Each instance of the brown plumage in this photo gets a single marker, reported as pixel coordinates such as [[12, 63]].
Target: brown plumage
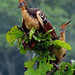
[[34, 17], [61, 52]]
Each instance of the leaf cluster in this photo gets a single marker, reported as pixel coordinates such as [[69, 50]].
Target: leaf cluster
[[41, 48], [42, 65], [66, 68]]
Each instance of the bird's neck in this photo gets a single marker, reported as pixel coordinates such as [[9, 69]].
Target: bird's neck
[[25, 14], [62, 36], [30, 22]]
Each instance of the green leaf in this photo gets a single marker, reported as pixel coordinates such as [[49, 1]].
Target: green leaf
[[46, 44], [50, 66], [48, 37], [57, 73], [58, 43], [23, 51], [29, 64], [36, 38], [32, 31], [44, 67], [19, 43], [69, 72], [11, 43], [63, 65], [13, 34], [46, 53], [30, 71], [66, 68], [42, 37], [48, 32], [51, 57]]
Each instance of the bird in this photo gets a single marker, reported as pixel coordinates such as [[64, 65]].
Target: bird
[[35, 18], [60, 53]]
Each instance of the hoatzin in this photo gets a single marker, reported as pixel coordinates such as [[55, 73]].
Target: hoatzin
[[61, 52], [35, 18]]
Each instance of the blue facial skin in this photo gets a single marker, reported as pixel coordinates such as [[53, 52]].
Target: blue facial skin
[[21, 4]]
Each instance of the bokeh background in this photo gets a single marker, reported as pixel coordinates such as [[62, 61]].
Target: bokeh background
[[57, 11]]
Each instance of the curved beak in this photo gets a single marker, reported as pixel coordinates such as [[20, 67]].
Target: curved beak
[[19, 6]]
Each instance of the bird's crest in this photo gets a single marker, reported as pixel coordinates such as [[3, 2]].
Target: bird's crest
[[65, 25], [24, 1]]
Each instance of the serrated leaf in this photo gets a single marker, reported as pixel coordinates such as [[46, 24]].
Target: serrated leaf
[[44, 67], [50, 66], [30, 71], [13, 34], [58, 43], [32, 31]]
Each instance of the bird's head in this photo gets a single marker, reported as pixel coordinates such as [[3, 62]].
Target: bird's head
[[64, 26], [22, 3]]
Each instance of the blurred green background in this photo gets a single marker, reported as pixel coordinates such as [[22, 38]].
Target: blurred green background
[[57, 11]]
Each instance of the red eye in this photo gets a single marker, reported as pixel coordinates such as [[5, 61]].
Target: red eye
[[21, 3]]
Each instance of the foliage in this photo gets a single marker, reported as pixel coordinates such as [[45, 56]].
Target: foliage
[[65, 69], [58, 43], [10, 15], [14, 34], [42, 44], [41, 69]]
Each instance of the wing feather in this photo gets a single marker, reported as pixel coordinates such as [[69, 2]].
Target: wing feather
[[45, 23]]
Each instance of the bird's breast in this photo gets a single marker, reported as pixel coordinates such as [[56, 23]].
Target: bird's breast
[[59, 53], [30, 21]]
